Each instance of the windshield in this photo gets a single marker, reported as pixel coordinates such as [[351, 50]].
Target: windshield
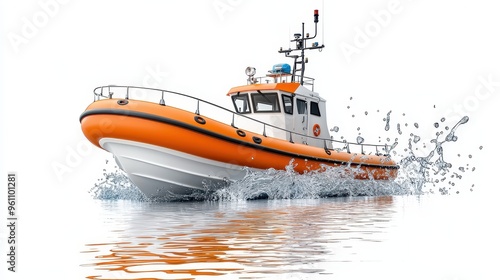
[[241, 103], [265, 102]]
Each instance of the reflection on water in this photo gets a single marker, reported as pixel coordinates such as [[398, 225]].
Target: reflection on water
[[246, 240]]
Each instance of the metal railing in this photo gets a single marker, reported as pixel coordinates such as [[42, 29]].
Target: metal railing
[[283, 78], [108, 92]]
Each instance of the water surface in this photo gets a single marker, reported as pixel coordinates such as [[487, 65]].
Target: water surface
[[332, 238]]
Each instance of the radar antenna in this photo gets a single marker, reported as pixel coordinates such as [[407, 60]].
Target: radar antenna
[[301, 45]]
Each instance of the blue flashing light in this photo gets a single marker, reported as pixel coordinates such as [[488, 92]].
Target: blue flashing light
[[282, 68]]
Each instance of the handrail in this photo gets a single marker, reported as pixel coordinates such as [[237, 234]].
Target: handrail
[[99, 92], [284, 77]]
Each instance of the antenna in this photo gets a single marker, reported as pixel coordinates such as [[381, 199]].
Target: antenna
[[323, 24], [300, 40]]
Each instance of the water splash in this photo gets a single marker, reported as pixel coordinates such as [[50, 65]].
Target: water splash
[[270, 184], [451, 136], [433, 166], [335, 129], [116, 185], [330, 182], [417, 175]]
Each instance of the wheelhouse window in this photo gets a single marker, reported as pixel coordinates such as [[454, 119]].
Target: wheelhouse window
[[265, 102], [315, 109], [287, 104], [241, 103], [301, 106]]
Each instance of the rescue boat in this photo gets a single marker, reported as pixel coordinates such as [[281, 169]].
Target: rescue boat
[[172, 144]]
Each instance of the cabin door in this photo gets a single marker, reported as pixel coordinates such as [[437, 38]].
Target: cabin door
[[302, 120]]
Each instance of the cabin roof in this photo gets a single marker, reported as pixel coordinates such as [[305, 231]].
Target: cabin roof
[[288, 87]]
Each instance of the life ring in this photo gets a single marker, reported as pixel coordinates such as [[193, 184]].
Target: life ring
[[316, 130]]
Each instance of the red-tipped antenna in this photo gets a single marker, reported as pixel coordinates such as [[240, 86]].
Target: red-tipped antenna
[[301, 46]]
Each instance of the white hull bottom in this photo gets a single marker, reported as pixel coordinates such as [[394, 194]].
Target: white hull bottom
[[162, 172]]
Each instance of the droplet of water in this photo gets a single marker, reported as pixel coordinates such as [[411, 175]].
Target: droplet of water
[[416, 125], [353, 116], [443, 119], [470, 156], [358, 128], [436, 125], [335, 129], [366, 113], [399, 129], [387, 125], [480, 147], [350, 98], [393, 146], [348, 107], [360, 140], [416, 139], [451, 136]]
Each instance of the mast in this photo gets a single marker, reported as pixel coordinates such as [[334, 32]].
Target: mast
[[301, 45]]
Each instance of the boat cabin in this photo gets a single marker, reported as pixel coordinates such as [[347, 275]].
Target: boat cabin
[[281, 107], [281, 104]]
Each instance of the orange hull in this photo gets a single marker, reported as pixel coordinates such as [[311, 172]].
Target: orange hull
[[189, 133]]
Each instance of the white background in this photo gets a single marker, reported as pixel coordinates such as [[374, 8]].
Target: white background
[[426, 60]]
